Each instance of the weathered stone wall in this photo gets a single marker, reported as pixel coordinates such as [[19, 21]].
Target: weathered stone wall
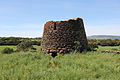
[[59, 36]]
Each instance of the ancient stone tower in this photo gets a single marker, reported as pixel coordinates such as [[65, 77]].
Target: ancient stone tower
[[59, 36]]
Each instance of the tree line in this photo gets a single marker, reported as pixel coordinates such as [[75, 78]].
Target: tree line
[[105, 42], [37, 41], [17, 40]]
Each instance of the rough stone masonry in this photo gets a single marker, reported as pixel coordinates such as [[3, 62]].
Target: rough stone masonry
[[59, 36]]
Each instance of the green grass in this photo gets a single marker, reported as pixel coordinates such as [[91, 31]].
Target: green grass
[[2, 47], [74, 66], [109, 48], [14, 47]]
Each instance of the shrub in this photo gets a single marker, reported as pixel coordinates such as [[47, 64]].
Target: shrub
[[24, 46], [92, 46], [7, 51], [77, 46], [32, 49]]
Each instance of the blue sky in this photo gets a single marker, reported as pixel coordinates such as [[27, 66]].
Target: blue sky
[[26, 18]]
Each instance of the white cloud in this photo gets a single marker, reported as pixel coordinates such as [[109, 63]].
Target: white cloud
[[21, 31], [22, 26], [103, 30], [21, 34]]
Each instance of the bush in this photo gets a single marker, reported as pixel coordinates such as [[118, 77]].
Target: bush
[[7, 51], [24, 46], [105, 42], [92, 46], [32, 49], [77, 46]]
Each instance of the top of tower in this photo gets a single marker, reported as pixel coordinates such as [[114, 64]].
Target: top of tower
[[77, 18], [52, 22]]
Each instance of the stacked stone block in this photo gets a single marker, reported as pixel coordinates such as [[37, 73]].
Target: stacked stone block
[[59, 36]]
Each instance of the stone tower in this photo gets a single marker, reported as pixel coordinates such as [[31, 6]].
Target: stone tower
[[59, 36]]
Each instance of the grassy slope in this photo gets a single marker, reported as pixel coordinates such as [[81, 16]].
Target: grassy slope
[[37, 66]]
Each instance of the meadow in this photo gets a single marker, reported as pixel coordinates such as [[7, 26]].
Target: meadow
[[73, 66]]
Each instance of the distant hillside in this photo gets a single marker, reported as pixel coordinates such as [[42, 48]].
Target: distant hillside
[[103, 37]]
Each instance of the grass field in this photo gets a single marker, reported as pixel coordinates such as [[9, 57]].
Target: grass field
[[74, 66], [109, 48]]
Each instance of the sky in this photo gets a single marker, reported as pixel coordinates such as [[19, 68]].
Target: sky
[[26, 18]]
